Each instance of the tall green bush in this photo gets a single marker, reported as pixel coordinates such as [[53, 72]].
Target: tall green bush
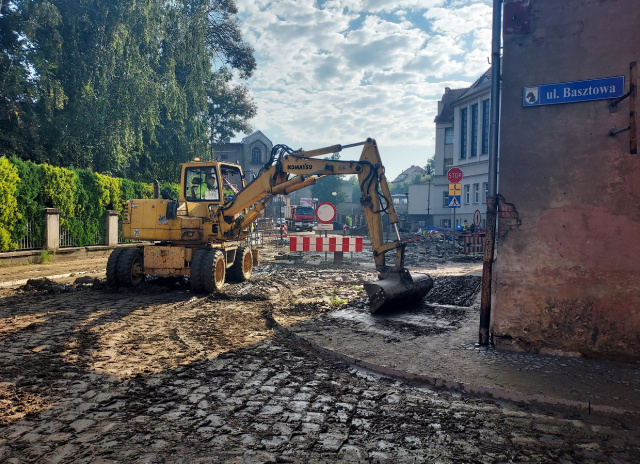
[[81, 195], [59, 190], [30, 206], [9, 214]]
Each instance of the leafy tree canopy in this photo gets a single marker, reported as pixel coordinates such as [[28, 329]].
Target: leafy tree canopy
[[120, 87]]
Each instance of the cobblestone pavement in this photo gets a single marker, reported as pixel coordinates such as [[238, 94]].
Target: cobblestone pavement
[[96, 376]]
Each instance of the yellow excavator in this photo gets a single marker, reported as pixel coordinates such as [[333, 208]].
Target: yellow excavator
[[202, 235]]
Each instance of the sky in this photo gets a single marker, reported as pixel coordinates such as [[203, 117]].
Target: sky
[[338, 71]]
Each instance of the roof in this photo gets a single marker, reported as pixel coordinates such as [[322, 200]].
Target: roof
[[254, 136], [450, 95], [481, 83], [408, 174]]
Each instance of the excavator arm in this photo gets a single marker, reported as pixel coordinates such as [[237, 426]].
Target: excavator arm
[[290, 170]]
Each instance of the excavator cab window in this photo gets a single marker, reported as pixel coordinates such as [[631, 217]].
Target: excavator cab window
[[201, 184], [231, 182]]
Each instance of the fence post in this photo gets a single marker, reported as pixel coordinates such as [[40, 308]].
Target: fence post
[[111, 228], [51, 229]]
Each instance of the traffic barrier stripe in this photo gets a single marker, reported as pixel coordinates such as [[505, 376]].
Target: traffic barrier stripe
[[473, 244], [325, 244]]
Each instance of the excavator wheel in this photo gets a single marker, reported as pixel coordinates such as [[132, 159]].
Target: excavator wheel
[[242, 265], [130, 268], [112, 267], [214, 271], [197, 271]]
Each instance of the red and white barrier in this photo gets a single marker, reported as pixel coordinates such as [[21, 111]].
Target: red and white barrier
[[473, 244], [325, 243]]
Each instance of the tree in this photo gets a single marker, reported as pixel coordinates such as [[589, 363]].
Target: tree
[[18, 90], [325, 188], [430, 167], [229, 107], [129, 88]]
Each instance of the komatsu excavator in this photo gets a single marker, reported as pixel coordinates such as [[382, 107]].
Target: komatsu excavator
[[202, 235]]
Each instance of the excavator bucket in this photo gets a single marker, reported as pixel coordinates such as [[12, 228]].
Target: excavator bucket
[[394, 290]]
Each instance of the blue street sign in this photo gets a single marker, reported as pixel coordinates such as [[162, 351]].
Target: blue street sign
[[571, 92], [454, 201]]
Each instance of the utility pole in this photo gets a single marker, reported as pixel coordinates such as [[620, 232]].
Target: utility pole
[[492, 198]]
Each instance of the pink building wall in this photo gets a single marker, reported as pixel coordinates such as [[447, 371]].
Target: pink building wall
[[567, 274]]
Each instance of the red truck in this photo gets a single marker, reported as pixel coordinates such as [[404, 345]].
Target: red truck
[[302, 216]]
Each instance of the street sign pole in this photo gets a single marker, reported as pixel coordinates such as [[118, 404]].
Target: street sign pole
[[453, 235]]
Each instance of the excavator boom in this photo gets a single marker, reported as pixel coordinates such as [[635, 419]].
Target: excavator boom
[[293, 170]]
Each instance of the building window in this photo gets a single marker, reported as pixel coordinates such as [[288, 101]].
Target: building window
[[448, 135], [448, 162], [476, 193], [256, 155], [474, 130], [445, 199], [485, 127], [467, 194], [463, 133], [485, 189]]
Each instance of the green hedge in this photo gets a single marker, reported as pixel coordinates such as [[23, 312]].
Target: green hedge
[[81, 195]]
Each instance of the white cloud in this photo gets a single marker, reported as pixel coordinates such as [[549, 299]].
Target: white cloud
[[379, 6], [338, 71]]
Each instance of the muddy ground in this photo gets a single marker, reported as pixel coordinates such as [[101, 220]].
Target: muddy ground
[[287, 287], [172, 327], [158, 374]]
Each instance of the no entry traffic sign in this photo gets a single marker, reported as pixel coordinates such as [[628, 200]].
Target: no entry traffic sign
[[326, 212], [454, 175], [477, 218]]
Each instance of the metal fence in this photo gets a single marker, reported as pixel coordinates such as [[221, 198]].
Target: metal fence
[[98, 237], [121, 239], [33, 240]]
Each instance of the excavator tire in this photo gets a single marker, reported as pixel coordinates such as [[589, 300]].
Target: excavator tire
[[214, 271], [197, 271], [130, 268], [112, 267], [242, 265]]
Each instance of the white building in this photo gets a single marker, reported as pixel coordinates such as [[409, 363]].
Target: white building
[[462, 140]]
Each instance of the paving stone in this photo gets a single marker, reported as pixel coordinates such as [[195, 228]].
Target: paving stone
[[274, 400]]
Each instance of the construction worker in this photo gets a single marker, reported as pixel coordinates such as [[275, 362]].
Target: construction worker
[[209, 189], [229, 190]]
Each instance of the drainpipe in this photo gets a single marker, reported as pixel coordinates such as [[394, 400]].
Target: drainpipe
[[492, 195]]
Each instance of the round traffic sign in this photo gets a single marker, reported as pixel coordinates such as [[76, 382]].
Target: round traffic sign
[[477, 218], [326, 212], [454, 175]]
